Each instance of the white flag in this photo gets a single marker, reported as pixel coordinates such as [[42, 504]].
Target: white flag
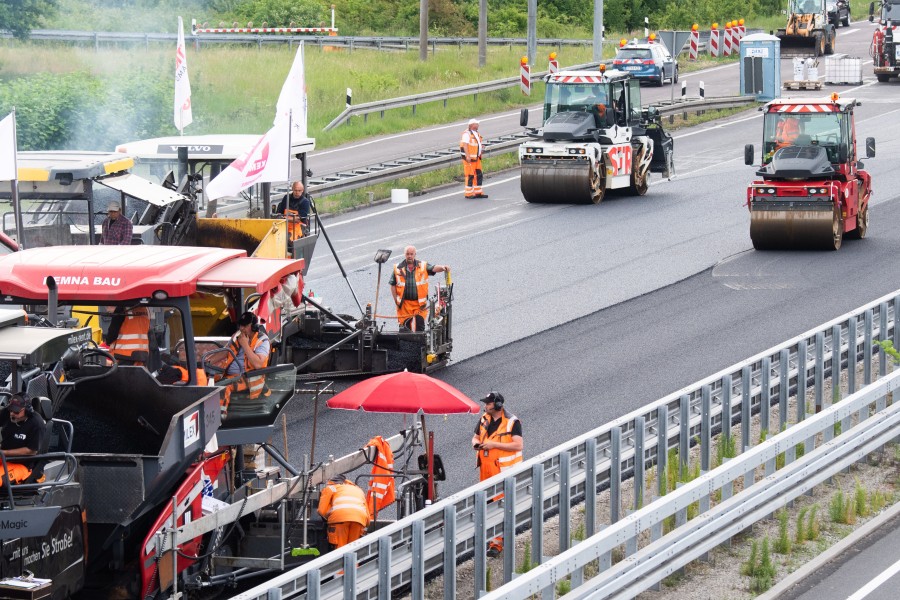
[[183, 115], [292, 100], [268, 160], [8, 165]]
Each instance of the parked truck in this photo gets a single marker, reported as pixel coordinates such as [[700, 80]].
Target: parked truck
[[885, 47], [595, 137], [812, 189]]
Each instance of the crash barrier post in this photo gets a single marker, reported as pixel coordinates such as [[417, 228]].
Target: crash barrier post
[[525, 76], [714, 40], [817, 361], [694, 51]]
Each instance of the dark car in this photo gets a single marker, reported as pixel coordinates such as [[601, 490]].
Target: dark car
[[838, 12], [651, 62]]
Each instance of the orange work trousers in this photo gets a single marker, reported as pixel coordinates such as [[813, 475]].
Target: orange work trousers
[[341, 534], [408, 312], [474, 178]]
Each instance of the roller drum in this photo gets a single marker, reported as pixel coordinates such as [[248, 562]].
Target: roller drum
[[784, 228], [554, 183]]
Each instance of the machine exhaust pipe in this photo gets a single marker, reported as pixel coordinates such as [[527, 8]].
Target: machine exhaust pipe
[[52, 300]]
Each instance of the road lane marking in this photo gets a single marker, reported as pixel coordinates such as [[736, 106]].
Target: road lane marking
[[876, 583]]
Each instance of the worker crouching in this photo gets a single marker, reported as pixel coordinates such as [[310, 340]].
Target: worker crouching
[[343, 505]]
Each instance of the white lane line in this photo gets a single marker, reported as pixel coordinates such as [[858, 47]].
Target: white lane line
[[876, 583]]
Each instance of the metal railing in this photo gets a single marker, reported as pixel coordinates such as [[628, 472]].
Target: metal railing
[[439, 159], [458, 527]]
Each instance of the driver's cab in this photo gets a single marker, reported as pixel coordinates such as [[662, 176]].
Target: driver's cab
[[807, 7], [829, 130]]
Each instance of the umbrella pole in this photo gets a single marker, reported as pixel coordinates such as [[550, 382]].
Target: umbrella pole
[[312, 450], [431, 467], [429, 495]]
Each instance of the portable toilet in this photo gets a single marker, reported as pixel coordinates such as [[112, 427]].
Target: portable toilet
[[761, 66]]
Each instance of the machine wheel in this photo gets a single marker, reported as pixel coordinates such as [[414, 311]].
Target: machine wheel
[[662, 78], [598, 183], [820, 44], [639, 185], [846, 20], [837, 231], [675, 76], [883, 78], [862, 224], [829, 42]]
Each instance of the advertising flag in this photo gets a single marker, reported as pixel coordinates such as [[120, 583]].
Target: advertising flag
[[8, 165], [292, 100], [183, 115], [267, 161]]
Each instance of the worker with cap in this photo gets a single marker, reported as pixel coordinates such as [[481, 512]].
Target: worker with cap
[[471, 147], [409, 281], [116, 229], [21, 434], [498, 442], [343, 504]]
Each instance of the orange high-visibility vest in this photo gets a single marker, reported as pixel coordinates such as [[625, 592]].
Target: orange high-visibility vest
[[202, 379], [471, 144], [421, 275], [381, 487], [497, 460], [133, 335], [343, 502], [255, 385], [295, 227]]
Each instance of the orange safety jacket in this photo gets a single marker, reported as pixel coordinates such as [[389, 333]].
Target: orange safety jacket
[[471, 145], [343, 502], [494, 461], [294, 226], [256, 384], [381, 487], [421, 275], [133, 335], [202, 379]]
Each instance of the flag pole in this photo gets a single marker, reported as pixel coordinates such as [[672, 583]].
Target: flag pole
[[14, 189]]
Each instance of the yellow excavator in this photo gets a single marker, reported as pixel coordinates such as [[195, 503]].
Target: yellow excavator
[[808, 31]]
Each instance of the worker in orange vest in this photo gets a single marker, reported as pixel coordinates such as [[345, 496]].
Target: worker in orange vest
[[471, 147], [294, 207], [131, 339], [410, 284], [343, 505], [498, 442]]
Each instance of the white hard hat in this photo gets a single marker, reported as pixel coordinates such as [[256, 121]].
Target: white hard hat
[[473, 121]]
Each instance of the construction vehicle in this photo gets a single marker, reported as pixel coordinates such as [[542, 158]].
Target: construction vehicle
[[595, 138], [138, 464], [811, 189], [885, 48], [64, 197], [809, 30]]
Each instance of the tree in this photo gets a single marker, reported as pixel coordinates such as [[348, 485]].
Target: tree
[[19, 17]]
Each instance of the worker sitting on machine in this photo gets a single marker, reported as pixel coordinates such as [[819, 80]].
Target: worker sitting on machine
[[22, 433], [249, 352], [787, 131]]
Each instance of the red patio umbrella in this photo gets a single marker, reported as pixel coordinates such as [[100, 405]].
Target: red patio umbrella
[[407, 393]]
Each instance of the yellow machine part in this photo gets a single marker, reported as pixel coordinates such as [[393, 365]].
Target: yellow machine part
[[793, 229], [800, 25]]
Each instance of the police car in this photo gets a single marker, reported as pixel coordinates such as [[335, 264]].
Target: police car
[[651, 62]]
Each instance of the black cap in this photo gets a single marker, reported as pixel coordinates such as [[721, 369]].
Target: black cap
[[248, 318], [493, 397], [16, 403]]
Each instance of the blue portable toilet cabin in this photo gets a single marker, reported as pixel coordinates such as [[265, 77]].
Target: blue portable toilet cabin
[[761, 66]]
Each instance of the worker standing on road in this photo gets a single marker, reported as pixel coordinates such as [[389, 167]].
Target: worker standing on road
[[22, 431], [116, 229], [498, 442], [410, 283], [294, 207], [471, 147], [343, 505]]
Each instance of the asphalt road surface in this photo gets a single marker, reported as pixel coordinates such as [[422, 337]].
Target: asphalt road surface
[[580, 314]]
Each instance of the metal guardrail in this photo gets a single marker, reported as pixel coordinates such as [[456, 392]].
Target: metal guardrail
[[458, 527], [429, 161], [379, 42]]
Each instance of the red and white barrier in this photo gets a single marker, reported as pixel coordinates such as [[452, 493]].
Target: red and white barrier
[[328, 30], [554, 64], [714, 40], [726, 47], [694, 51], [525, 76]]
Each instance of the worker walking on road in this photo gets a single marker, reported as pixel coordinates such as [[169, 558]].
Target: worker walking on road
[[471, 147], [343, 505], [498, 442], [410, 287]]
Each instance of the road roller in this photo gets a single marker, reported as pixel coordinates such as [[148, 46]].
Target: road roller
[[594, 137], [811, 188]]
